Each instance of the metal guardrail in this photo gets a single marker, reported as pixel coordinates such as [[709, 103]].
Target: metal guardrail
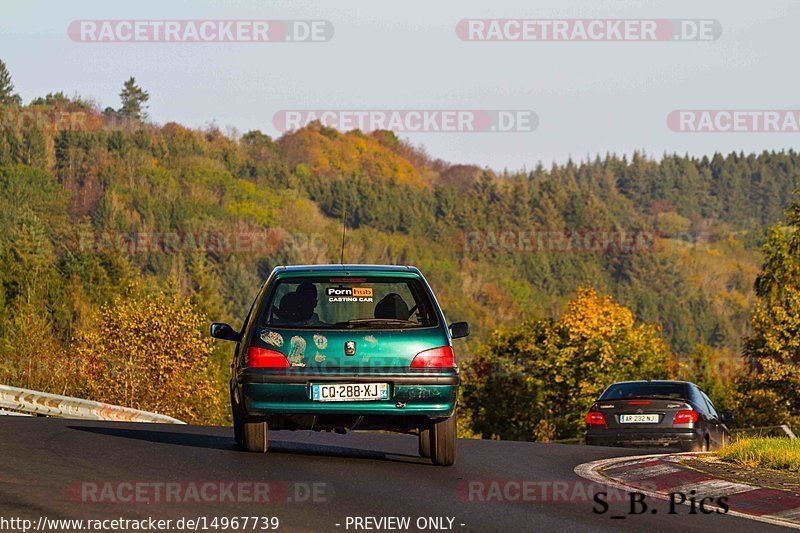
[[12, 413], [31, 402]]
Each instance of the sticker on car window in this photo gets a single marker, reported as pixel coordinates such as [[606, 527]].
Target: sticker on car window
[[349, 294]]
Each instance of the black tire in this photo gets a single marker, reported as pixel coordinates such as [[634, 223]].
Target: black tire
[[255, 433], [700, 445], [425, 442], [443, 441], [238, 420]]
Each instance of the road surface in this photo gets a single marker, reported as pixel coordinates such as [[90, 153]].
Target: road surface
[[70, 469]]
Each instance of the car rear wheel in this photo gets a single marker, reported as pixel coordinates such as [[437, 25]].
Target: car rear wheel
[[255, 433], [424, 442], [443, 441], [699, 445]]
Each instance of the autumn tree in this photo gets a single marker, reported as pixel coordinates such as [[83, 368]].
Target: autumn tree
[[151, 352], [536, 380], [771, 388]]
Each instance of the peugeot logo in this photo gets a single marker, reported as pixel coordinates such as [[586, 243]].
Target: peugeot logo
[[639, 412], [350, 348]]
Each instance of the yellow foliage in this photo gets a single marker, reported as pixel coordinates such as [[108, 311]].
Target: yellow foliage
[[590, 315], [544, 374], [332, 154], [148, 353]]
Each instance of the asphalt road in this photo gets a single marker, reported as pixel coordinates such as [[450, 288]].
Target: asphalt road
[[57, 468]]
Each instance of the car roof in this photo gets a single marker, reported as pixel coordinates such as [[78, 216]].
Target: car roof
[[346, 267], [300, 271], [676, 381]]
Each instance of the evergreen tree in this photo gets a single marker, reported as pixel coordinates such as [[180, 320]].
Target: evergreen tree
[[133, 100], [7, 96]]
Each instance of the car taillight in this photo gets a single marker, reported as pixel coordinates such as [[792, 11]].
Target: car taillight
[[265, 358], [441, 357], [685, 416], [595, 418]]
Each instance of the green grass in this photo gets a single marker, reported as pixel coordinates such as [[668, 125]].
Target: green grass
[[764, 452]]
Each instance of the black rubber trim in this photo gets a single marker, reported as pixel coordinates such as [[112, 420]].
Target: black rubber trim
[[419, 379]]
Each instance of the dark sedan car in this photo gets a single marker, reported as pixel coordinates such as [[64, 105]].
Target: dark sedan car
[[657, 413]]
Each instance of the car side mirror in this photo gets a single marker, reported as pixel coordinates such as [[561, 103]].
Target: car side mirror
[[225, 332], [459, 330], [726, 417]]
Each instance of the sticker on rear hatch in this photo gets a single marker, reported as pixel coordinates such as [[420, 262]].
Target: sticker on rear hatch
[[349, 294], [271, 337], [297, 351], [321, 341]]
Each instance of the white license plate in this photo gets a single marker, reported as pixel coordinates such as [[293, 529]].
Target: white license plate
[[638, 419], [350, 392]]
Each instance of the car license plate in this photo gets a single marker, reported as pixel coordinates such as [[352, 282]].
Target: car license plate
[[350, 392], [638, 419]]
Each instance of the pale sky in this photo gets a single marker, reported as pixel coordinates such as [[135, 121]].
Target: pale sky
[[590, 97]]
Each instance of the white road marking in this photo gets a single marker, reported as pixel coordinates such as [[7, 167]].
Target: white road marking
[[644, 472], [791, 514], [644, 459], [712, 487]]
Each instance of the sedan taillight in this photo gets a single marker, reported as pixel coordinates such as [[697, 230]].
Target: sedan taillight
[[686, 416], [265, 358], [595, 418]]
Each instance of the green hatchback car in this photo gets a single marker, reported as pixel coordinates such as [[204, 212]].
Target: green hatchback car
[[345, 347]]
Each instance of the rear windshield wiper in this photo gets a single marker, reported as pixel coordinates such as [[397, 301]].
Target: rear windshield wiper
[[367, 322]]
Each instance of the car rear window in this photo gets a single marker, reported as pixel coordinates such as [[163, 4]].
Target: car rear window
[[620, 391], [349, 303]]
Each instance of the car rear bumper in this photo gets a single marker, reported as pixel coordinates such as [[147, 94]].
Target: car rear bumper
[[643, 437], [427, 394]]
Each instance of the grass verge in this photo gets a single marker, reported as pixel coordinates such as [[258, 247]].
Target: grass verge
[[764, 452]]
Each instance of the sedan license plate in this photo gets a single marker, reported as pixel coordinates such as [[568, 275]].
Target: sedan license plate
[[638, 419], [349, 392]]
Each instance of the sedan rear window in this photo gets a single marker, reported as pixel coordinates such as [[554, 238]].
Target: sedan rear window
[[349, 303], [621, 391]]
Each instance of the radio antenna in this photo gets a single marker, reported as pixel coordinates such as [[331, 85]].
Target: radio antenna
[[344, 229]]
